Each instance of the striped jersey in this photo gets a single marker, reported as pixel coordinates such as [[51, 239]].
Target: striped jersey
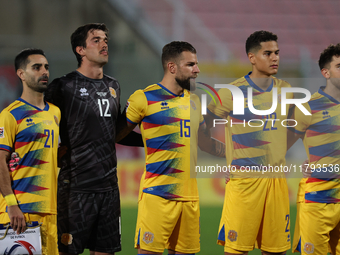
[[32, 133], [321, 132], [253, 140], [166, 127]]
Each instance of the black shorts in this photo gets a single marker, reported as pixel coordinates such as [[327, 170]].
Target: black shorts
[[89, 220]]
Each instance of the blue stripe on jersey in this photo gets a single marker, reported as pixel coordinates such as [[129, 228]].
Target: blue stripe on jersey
[[165, 142], [29, 184], [157, 95], [326, 150], [326, 174], [131, 121], [32, 158], [165, 117], [31, 134], [326, 126], [165, 167], [165, 191], [31, 207], [252, 139], [323, 196], [326, 95], [255, 161], [5, 147]]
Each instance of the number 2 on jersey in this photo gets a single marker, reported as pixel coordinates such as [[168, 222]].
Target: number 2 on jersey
[[101, 103], [185, 128]]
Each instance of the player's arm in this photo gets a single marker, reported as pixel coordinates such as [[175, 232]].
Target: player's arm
[[124, 133], [209, 144], [292, 137], [16, 216]]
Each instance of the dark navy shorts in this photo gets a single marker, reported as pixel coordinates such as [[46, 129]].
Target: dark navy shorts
[[89, 221]]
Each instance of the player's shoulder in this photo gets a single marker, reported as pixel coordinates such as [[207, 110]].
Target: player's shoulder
[[280, 82], [239, 82], [12, 106], [111, 80], [151, 88]]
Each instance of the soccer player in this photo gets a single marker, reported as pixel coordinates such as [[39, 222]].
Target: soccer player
[[88, 195], [255, 209], [320, 194], [168, 116], [30, 127]]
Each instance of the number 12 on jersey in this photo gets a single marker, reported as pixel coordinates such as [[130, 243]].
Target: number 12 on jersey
[[185, 128], [101, 103]]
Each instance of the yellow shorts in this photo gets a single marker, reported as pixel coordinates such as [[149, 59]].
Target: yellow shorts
[[320, 228], [49, 237], [255, 210], [167, 224]]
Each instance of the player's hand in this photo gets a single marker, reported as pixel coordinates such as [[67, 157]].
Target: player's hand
[[14, 161], [227, 176], [62, 151], [17, 219], [306, 170]]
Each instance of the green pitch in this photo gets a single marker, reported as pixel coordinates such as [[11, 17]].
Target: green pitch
[[210, 218]]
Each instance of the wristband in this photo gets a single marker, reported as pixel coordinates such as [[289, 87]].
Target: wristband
[[11, 200]]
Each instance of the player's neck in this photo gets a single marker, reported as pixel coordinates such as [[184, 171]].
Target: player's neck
[[263, 81], [332, 90], [172, 85], [33, 98], [90, 71]]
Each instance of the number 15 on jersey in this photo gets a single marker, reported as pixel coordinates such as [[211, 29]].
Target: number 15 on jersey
[[185, 128]]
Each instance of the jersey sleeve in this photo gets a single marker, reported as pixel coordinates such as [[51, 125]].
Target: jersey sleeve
[[221, 111], [8, 128], [302, 121], [136, 107]]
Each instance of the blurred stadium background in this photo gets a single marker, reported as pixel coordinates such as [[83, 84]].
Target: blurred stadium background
[[138, 31]]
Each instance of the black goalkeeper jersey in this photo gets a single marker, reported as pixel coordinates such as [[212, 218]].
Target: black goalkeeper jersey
[[89, 112]]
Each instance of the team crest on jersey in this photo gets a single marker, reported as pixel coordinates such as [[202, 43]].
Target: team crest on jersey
[[66, 239], [113, 92], [309, 248], [2, 132], [164, 105], [83, 92], [193, 105], [232, 235], [56, 120], [101, 94], [29, 122], [183, 107], [148, 237]]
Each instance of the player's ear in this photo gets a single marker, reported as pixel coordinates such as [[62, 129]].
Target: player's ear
[[251, 57], [172, 67], [80, 50], [325, 73], [20, 73]]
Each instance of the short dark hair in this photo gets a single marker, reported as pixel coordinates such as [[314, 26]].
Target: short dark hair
[[327, 55], [253, 43], [172, 50], [21, 60], [78, 38]]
